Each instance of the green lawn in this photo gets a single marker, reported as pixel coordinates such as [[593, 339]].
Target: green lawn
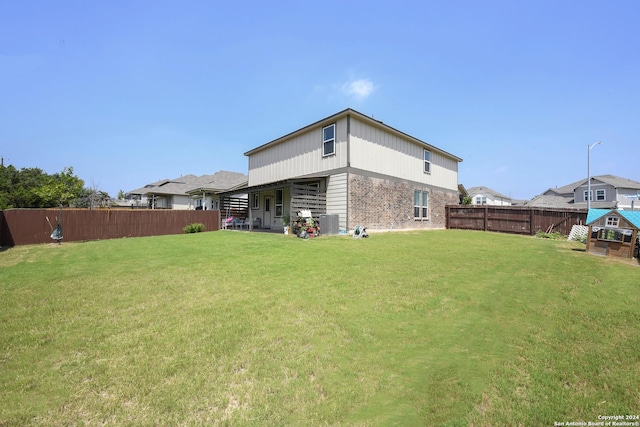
[[234, 328]]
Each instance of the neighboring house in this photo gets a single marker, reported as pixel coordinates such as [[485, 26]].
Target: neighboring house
[[186, 192], [355, 169], [487, 196], [613, 232], [608, 189], [559, 197], [607, 192], [205, 191]]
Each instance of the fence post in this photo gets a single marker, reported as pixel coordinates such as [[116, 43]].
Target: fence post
[[531, 233], [486, 217], [446, 217]]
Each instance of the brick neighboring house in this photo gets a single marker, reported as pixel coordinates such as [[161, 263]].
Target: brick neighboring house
[[354, 167]]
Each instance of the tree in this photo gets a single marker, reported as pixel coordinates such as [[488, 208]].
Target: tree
[[92, 198], [60, 189], [120, 195], [17, 187], [32, 188]]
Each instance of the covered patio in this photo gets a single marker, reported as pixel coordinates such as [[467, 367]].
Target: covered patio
[[271, 207]]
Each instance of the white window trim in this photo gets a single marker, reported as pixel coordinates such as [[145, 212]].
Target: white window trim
[[421, 206], [604, 195], [584, 199], [613, 221], [332, 140], [256, 201], [427, 163]]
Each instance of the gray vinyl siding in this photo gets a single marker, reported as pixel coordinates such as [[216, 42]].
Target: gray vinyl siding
[[300, 155], [337, 198], [609, 192], [377, 150]]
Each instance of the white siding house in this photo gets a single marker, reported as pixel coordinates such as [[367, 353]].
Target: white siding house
[[487, 196]]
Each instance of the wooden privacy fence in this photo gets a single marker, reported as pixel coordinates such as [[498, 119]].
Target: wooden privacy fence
[[514, 219], [30, 226]]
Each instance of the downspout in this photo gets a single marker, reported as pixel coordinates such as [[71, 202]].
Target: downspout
[[348, 166]]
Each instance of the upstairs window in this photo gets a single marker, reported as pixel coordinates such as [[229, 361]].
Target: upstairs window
[[427, 161], [601, 195], [329, 140], [481, 200], [588, 196]]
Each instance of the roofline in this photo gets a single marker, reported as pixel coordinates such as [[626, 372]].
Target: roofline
[[205, 189], [344, 113], [595, 214], [217, 190], [280, 183], [487, 190], [606, 179]]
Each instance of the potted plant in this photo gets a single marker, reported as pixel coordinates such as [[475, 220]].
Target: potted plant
[[286, 219], [311, 229]]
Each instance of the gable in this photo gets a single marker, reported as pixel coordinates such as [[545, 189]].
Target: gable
[[618, 182], [627, 219], [485, 191]]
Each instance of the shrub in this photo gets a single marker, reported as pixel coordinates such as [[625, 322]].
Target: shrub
[[553, 236], [194, 228]]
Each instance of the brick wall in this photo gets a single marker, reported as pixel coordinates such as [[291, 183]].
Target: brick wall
[[384, 204]]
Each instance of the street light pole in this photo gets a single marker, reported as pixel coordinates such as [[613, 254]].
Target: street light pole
[[589, 173]]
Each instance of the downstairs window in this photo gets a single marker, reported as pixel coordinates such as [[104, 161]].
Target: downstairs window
[[420, 204]]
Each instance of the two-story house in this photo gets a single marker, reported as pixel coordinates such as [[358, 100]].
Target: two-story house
[[607, 192], [355, 168]]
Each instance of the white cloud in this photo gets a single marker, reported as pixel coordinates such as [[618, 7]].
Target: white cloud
[[358, 89]]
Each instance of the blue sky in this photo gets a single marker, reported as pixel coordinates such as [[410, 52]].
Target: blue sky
[[130, 92]]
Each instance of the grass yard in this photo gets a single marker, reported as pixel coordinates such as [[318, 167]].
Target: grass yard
[[232, 328]]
